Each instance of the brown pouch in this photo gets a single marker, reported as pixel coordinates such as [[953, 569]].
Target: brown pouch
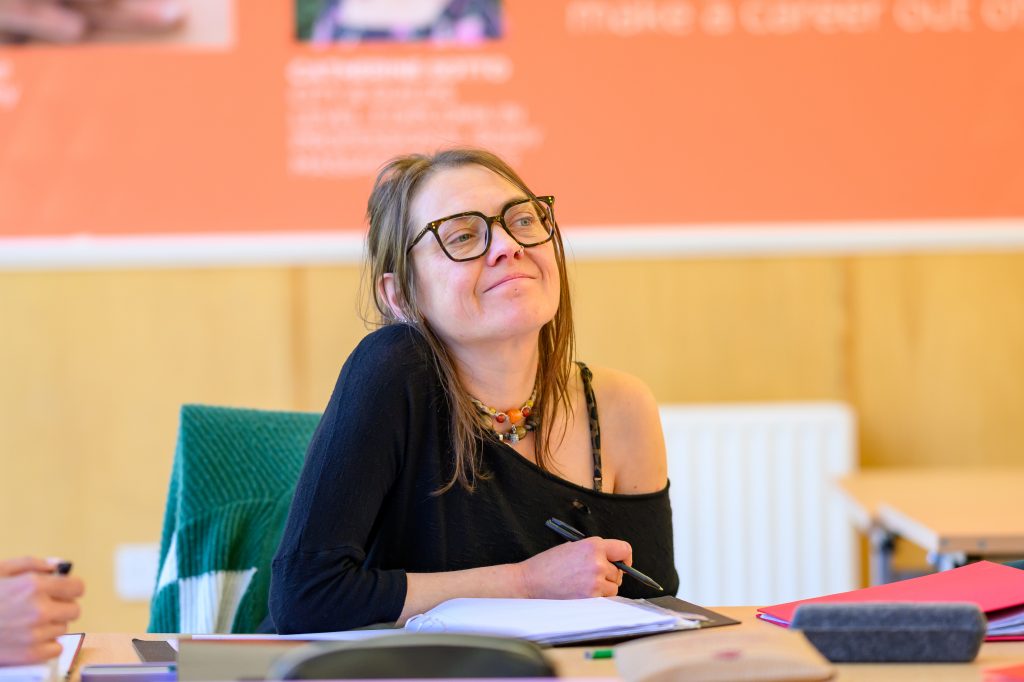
[[759, 653]]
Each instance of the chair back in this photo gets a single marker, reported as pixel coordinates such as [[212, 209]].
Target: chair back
[[231, 486]]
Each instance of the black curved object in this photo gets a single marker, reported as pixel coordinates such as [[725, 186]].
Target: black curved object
[[414, 656]]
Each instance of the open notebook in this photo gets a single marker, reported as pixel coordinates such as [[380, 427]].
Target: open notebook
[[550, 621]]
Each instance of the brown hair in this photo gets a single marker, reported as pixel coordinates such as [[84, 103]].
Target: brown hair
[[388, 212]]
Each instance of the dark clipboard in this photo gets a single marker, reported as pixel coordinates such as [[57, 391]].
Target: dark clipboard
[[714, 620]]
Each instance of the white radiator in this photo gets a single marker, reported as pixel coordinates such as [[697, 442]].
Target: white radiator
[[756, 516]]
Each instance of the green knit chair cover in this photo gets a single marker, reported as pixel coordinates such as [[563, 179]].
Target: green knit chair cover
[[232, 482]]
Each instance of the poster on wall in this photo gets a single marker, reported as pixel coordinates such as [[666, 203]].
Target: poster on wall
[[199, 117]]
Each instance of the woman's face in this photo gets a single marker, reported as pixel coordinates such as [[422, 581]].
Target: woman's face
[[503, 293]]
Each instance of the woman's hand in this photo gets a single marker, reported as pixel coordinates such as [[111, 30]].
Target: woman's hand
[[35, 608], [575, 570]]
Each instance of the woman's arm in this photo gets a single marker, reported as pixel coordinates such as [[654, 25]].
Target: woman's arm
[[319, 577], [573, 570]]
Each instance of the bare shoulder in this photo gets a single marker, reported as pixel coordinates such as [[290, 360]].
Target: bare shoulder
[[632, 444]]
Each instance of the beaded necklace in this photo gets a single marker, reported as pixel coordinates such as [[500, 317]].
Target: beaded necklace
[[522, 420]]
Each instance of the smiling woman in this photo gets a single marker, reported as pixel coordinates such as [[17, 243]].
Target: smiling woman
[[463, 423]]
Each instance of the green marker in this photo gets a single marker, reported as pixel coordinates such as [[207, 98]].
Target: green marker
[[601, 653]]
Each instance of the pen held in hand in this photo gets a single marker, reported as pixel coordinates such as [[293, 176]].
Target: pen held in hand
[[572, 535]]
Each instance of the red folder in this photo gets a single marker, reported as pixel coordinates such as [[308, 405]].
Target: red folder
[[995, 588]]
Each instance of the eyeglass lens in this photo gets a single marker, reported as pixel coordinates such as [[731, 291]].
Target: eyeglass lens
[[529, 223]]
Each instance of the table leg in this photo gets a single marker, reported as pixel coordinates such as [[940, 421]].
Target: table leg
[[883, 542], [944, 561]]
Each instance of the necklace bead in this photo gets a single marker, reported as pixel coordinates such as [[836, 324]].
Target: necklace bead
[[521, 419]]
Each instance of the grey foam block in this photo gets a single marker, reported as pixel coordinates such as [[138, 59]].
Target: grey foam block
[[893, 632]]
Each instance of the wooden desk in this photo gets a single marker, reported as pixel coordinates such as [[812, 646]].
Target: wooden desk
[[954, 514], [570, 661]]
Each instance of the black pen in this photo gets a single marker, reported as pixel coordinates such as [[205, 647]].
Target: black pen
[[572, 535]]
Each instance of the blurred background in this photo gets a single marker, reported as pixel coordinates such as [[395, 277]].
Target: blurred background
[[763, 201]]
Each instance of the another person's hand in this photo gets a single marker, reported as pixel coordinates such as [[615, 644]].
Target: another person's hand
[[576, 570], [35, 608], [70, 21]]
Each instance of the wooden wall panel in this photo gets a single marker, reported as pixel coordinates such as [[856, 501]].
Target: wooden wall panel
[[718, 330], [329, 322], [927, 348], [95, 367], [939, 352]]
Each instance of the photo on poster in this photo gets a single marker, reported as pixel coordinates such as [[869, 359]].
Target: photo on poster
[[355, 21], [191, 23]]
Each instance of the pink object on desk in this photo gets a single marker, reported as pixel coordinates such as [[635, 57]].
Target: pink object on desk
[[1010, 673], [998, 591]]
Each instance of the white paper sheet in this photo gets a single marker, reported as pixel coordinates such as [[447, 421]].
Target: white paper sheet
[[52, 671], [547, 621]]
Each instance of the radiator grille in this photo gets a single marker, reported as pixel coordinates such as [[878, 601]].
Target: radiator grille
[[756, 516]]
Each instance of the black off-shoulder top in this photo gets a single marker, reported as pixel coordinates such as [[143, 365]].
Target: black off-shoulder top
[[365, 510]]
